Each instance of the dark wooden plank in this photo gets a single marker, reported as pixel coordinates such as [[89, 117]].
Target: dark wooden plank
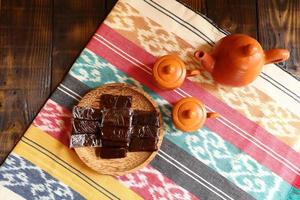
[[74, 21], [234, 16], [279, 26], [25, 65], [109, 4], [198, 6]]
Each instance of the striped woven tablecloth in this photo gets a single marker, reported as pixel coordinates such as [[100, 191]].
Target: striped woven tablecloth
[[251, 152]]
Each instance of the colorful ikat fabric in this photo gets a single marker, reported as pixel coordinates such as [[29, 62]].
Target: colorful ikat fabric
[[251, 152]]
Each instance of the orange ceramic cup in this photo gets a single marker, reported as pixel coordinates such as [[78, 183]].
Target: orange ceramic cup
[[169, 72], [189, 114]]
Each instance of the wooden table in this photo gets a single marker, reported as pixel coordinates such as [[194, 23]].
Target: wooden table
[[40, 39]]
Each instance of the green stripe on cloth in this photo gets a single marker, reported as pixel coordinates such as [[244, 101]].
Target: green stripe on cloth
[[206, 146]]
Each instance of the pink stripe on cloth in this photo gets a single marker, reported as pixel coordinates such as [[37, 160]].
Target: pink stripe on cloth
[[251, 138], [152, 184], [55, 120]]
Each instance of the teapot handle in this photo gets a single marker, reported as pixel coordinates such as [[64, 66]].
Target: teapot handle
[[212, 115], [276, 55]]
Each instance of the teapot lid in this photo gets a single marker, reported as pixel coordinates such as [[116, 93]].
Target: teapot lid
[[189, 114], [169, 72]]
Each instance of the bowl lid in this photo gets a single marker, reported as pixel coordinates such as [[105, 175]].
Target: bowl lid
[[189, 114], [169, 71]]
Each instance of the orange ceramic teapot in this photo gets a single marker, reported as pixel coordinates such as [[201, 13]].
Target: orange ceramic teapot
[[237, 59], [189, 114]]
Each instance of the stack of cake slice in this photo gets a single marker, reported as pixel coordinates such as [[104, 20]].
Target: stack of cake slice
[[145, 131], [86, 126], [115, 133]]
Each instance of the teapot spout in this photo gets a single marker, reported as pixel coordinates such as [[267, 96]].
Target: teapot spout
[[206, 60], [276, 55]]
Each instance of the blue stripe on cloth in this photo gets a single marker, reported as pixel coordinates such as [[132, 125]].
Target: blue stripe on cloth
[[207, 146], [68, 167], [31, 182]]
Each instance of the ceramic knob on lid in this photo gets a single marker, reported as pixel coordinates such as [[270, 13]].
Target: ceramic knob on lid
[[189, 114], [169, 72]]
